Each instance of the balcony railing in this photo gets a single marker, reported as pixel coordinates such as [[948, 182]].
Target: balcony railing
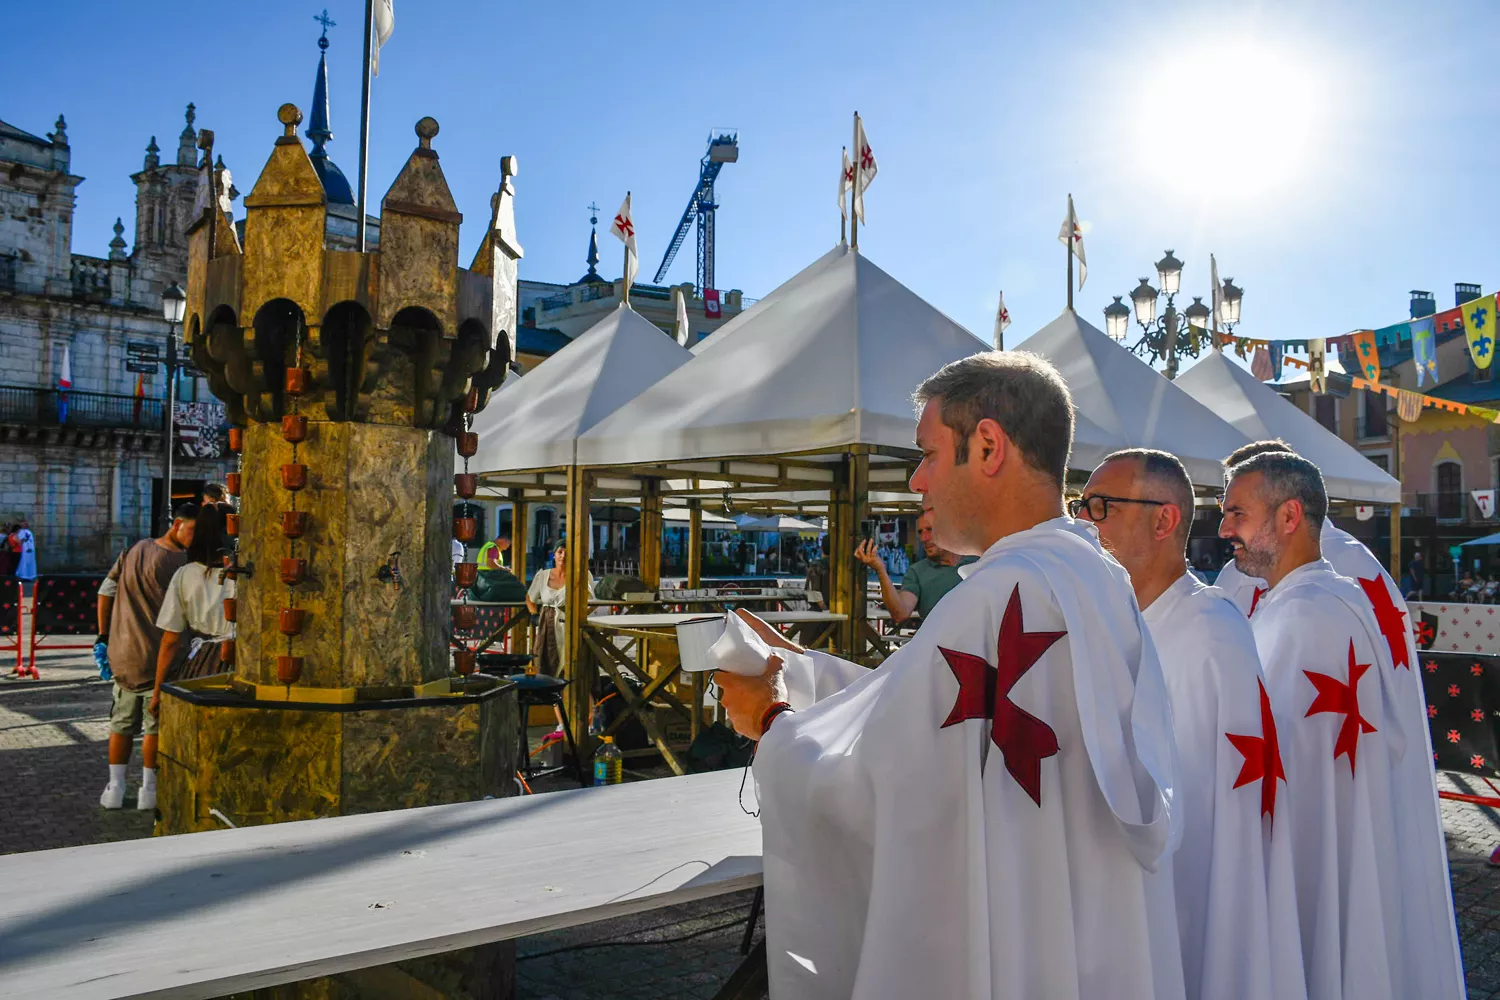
[[1457, 507], [42, 407]]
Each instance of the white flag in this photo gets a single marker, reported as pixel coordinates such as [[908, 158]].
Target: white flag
[[1002, 320], [680, 329], [1218, 291], [624, 228], [1071, 237], [846, 181], [385, 23], [1485, 501], [864, 161]]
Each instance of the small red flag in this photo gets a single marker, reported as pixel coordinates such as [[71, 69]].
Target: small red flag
[[711, 303]]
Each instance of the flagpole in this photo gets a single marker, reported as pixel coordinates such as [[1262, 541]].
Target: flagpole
[[626, 293], [854, 196], [1213, 297], [364, 124], [1068, 248]]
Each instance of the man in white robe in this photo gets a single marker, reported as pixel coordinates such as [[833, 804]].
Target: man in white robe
[[1236, 904], [981, 816], [1429, 891], [1333, 687]]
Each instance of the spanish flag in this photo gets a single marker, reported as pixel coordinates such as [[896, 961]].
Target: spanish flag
[[1479, 328]]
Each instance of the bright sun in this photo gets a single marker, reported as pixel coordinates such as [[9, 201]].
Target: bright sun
[[1245, 119]]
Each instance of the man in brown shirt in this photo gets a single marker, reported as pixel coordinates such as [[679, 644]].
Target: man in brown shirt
[[129, 599]]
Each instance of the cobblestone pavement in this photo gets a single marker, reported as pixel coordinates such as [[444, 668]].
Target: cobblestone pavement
[[52, 757]]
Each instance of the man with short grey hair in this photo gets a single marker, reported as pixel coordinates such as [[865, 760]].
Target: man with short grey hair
[[1232, 876], [982, 815], [1337, 702]]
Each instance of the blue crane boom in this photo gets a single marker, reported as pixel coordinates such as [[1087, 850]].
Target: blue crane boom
[[723, 148]]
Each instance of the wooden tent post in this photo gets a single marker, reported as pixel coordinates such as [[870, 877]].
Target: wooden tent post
[[1396, 512], [695, 544], [581, 666], [520, 544], [651, 533], [843, 533], [859, 512]]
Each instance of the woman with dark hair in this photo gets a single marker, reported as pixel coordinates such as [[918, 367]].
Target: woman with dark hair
[[195, 602], [547, 596]]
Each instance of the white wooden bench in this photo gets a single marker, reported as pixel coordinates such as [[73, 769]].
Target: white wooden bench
[[207, 914]]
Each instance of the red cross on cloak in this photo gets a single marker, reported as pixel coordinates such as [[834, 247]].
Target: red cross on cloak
[[1256, 596], [1391, 619], [1341, 699], [1262, 756], [984, 693]]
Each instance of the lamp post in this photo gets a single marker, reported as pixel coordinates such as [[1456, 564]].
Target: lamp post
[[173, 305], [1172, 333]]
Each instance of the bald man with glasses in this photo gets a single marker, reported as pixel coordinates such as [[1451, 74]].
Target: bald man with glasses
[[1236, 903]]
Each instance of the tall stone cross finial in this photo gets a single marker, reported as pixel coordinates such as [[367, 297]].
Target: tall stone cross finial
[[192, 115]]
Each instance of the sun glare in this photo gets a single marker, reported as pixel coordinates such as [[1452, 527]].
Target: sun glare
[[1242, 120]]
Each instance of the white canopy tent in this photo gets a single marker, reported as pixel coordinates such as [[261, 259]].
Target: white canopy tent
[[1131, 401], [781, 524], [826, 361], [683, 515], [534, 422], [1259, 412]]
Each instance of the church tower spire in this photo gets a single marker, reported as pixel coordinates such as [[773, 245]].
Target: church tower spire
[[593, 255], [335, 185]]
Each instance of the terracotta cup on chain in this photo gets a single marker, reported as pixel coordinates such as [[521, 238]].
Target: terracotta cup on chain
[[230, 606], [296, 381], [292, 571], [294, 428], [288, 669], [468, 444], [465, 484], [226, 652], [294, 476], [294, 523], [236, 439], [463, 661], [464, 616], [232, 483], [465, 574], [291, 620], [465, 529], [232, 525], [471, 401]]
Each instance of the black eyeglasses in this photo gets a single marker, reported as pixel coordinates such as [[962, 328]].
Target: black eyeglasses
[[1098, 505]]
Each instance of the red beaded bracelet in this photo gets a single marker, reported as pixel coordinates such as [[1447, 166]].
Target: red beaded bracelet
[[777, 708]]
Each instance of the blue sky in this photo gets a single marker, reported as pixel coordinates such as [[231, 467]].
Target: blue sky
[[1333, 156]]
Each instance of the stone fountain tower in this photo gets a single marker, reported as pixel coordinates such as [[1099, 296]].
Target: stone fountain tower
[[350, 380]]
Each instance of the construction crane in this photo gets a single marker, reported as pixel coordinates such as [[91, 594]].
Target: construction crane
[[723, 148]]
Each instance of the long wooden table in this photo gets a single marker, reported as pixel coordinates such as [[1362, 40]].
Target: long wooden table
[[207, 914], [601, 649]]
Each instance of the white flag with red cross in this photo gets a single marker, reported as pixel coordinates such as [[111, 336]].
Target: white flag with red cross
[[864, 164], [1002, 320], [846, 181], [624, 228], [1071, 236]]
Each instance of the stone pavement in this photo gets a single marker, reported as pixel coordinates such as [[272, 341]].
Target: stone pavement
[[52, 756]]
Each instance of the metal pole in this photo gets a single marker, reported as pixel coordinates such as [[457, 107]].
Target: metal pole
[[1396, 507], [364, 123], [854, 196], [1068, 249], [171, 400]]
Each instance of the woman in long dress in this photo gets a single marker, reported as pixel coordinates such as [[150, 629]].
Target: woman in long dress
[[547, 595], [195, 603]]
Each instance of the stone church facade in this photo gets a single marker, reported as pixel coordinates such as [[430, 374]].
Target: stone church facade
[[88, 475]]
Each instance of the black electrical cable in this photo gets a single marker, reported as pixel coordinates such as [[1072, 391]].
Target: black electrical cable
[[626, 944]]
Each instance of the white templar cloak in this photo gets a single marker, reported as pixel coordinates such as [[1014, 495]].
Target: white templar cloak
[[1236, 901], [1331, 681], [1434, 954], [981, 816], [1429, 894]]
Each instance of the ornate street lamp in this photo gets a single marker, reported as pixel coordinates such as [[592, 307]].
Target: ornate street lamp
[[1117, 319], [173, 306], [1165, 336]]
